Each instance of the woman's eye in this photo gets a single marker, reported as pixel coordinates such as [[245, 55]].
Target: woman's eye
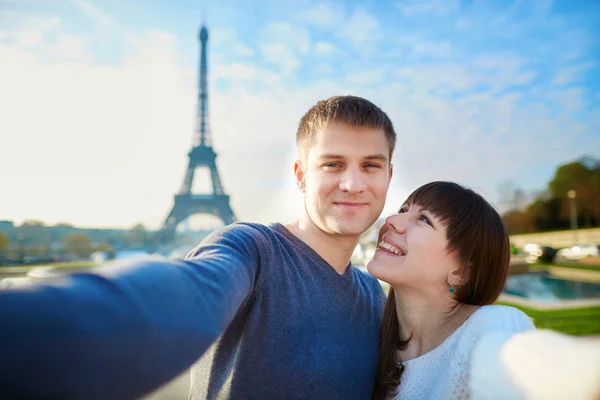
[[425, 219]]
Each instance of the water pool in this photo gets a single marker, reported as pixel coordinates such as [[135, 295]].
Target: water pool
[[541, 286]]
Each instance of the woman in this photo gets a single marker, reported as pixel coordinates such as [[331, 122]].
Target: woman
[[445, 255]]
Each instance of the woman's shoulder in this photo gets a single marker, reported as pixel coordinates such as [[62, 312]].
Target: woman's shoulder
[[494, 318]]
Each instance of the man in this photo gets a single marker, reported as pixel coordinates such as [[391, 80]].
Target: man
[[266, 312]]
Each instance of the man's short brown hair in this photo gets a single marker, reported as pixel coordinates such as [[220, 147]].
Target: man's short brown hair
[[350, 110]]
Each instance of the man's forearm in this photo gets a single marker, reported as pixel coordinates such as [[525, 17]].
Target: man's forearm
[[92, 336]]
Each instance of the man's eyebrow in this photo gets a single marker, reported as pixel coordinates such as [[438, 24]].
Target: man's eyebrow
[[330, 156], [379, 156]]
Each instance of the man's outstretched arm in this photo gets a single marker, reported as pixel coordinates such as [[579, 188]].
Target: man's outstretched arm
[[121, 335]]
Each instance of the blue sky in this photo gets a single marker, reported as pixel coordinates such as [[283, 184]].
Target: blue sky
[[99, 97]]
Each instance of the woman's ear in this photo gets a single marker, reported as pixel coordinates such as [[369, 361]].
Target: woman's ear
[[459, 275]]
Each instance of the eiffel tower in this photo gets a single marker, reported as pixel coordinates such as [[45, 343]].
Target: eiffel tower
[[202, 154]]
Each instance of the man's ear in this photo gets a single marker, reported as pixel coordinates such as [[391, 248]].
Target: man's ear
[[391, 173], [299, 173]]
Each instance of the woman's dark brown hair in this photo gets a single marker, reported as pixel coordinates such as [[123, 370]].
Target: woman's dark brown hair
[[477, 235]]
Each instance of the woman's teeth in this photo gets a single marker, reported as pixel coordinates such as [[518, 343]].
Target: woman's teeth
[[389, 247]]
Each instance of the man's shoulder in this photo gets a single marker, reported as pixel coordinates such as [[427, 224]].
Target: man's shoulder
[[239, 235], [244, 229]]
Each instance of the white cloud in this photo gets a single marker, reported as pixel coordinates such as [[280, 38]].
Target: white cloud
[[411, 8], [281, 55], [322, 15], [462, 24], [431, 49], [362, 30], [542, 8], [287, 34], [93, 12], [439, 77], [94, 137], [29, 26], [570, 74], [283, 44], [498, 62], [234, 72], [70, 46], [368, 76], [325, 48], [324, 69], [240, 49], [227, 41], [23, 37]]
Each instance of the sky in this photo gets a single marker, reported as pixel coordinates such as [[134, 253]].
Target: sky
[[98, 98]]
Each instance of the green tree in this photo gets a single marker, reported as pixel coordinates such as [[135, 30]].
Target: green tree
[[79, 244], [551, 209], [595, 193], [37, 250], [578, 176], [137, 236], [4, 242], [517, 221], [32, 232]]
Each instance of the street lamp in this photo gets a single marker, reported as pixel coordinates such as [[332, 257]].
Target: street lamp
[[572, 198], [22, 247]]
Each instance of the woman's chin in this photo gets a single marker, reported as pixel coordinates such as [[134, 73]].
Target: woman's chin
[[372, 268], [393, 277], [377, 270]]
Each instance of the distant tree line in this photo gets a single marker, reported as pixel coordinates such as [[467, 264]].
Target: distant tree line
[[551, 208], [35, 240]]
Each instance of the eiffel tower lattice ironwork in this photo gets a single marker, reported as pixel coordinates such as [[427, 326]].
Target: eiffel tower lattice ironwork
[[202, 155]]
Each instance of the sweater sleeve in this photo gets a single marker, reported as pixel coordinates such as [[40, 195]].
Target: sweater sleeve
[[121, 333], [494, 323], [535, 364]]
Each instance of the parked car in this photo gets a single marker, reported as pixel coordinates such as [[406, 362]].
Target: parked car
[[548, 254], [538, 253], [578, 252]]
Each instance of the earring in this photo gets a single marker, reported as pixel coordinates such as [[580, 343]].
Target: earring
[[451, 289]]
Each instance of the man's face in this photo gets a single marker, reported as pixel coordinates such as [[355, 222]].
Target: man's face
[[345, 178]]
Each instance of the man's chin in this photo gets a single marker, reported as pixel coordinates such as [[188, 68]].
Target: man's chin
[[346, 228]]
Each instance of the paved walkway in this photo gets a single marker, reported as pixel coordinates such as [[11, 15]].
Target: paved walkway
[[557, 305], [575, 274]]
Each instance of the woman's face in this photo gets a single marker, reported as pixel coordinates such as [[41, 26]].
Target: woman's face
[[412, 252]]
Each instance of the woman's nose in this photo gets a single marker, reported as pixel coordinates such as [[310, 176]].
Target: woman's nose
[[396, 222]]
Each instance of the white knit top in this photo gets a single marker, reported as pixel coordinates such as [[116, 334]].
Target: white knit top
[[443, 373]]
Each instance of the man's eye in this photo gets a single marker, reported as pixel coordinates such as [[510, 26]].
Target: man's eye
[[373, 166]]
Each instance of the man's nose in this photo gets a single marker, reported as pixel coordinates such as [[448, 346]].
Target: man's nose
[[352, 181]]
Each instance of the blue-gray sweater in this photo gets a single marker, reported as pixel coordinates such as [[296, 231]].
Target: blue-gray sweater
[[276, 319]]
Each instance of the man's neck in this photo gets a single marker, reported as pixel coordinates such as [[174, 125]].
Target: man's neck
[[335, 250], [427, 321]]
